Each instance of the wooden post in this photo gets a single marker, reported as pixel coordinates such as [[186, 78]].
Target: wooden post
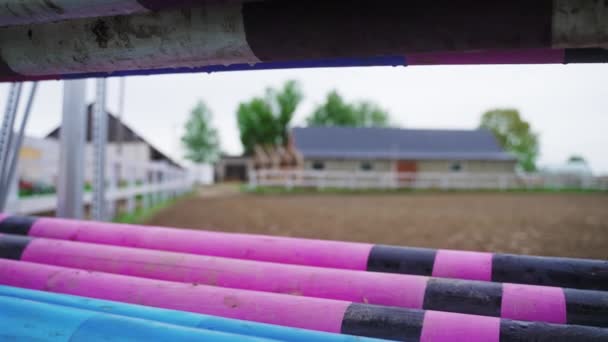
[[131, 179]]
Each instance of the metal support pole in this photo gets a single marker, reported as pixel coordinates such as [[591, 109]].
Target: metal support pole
[[6, 130], [12, 196], [100, 137], [70, 185], [12, 157]]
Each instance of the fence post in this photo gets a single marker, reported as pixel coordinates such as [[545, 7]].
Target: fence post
[[503, 182], [171, 193], [180, 178], [162, 182], [321, 183], [158, 182], [253, 178], [153, 187], [131, 185], [289, 180], [113, 180], [146, 184]]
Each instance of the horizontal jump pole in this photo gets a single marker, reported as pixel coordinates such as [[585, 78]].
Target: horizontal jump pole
[[496, 267], [513, 301], [524, 56], [230, 32], [181, 318], [25, 320], [27, 12], [302, 312]]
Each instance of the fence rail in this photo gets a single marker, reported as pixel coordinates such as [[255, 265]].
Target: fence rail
[[419, 180], [126, 181]]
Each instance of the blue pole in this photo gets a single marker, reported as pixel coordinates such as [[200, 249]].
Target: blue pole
[[181, 318], [22, 319]]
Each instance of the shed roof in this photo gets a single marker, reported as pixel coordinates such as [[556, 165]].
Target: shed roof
[[396, 143]]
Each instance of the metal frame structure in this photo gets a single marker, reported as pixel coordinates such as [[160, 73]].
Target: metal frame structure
[[100, 137], [70, 186], [6, 130], [10, 145], [12, 156]]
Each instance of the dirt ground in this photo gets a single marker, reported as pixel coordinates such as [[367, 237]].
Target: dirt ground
[[574, 225]]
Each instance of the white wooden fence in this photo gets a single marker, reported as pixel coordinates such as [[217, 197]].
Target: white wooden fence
[[421, 180], [153, 182]]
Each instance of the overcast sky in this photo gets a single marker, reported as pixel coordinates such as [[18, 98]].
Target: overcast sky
[[566, 104]]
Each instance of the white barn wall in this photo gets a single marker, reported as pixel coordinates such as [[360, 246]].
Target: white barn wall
[[39, 159], [349, 165], [474, 166]]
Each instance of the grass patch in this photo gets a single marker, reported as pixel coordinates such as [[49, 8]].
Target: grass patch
[[140, 215]]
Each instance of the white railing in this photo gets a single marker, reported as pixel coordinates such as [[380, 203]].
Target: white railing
[[152, 182], [420, 180]]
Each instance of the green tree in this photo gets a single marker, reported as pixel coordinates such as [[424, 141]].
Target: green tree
[[265, 120], [336, 112], [200, 138], [514, 135]]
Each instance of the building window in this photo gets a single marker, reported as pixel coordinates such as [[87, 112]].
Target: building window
[[318, 165], [456, 167], [366, 166]]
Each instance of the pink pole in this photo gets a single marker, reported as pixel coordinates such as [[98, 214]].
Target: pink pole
[[368, 287], [495, 267], [301, 312], [522, 302], [292, 311], [320, 253]]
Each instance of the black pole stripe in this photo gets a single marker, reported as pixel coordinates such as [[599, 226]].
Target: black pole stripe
[[283, 30], [586, 55], [550, 271], [17, 225], [383, 322], [583, 307], [517, 331], [407, 260], [471, 297], [400, 324], [586, 307], [12, 246]]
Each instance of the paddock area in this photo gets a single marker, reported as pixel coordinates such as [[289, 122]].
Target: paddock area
[[552, 224]]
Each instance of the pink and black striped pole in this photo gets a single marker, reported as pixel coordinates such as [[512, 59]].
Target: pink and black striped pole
[[496, 267], [512, 301], [302, 312]]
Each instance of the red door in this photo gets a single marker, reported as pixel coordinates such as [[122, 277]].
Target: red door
[[406, 170], [407, 166]]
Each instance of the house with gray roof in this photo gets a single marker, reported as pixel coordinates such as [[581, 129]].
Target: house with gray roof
[[400, 150]]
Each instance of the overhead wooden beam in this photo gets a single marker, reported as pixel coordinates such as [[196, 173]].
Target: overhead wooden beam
[[223, 36], [24, 12]]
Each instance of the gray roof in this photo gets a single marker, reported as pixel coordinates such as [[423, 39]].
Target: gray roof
[[395, 143]]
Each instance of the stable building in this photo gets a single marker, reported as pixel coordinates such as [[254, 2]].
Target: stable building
[[400, 150]]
